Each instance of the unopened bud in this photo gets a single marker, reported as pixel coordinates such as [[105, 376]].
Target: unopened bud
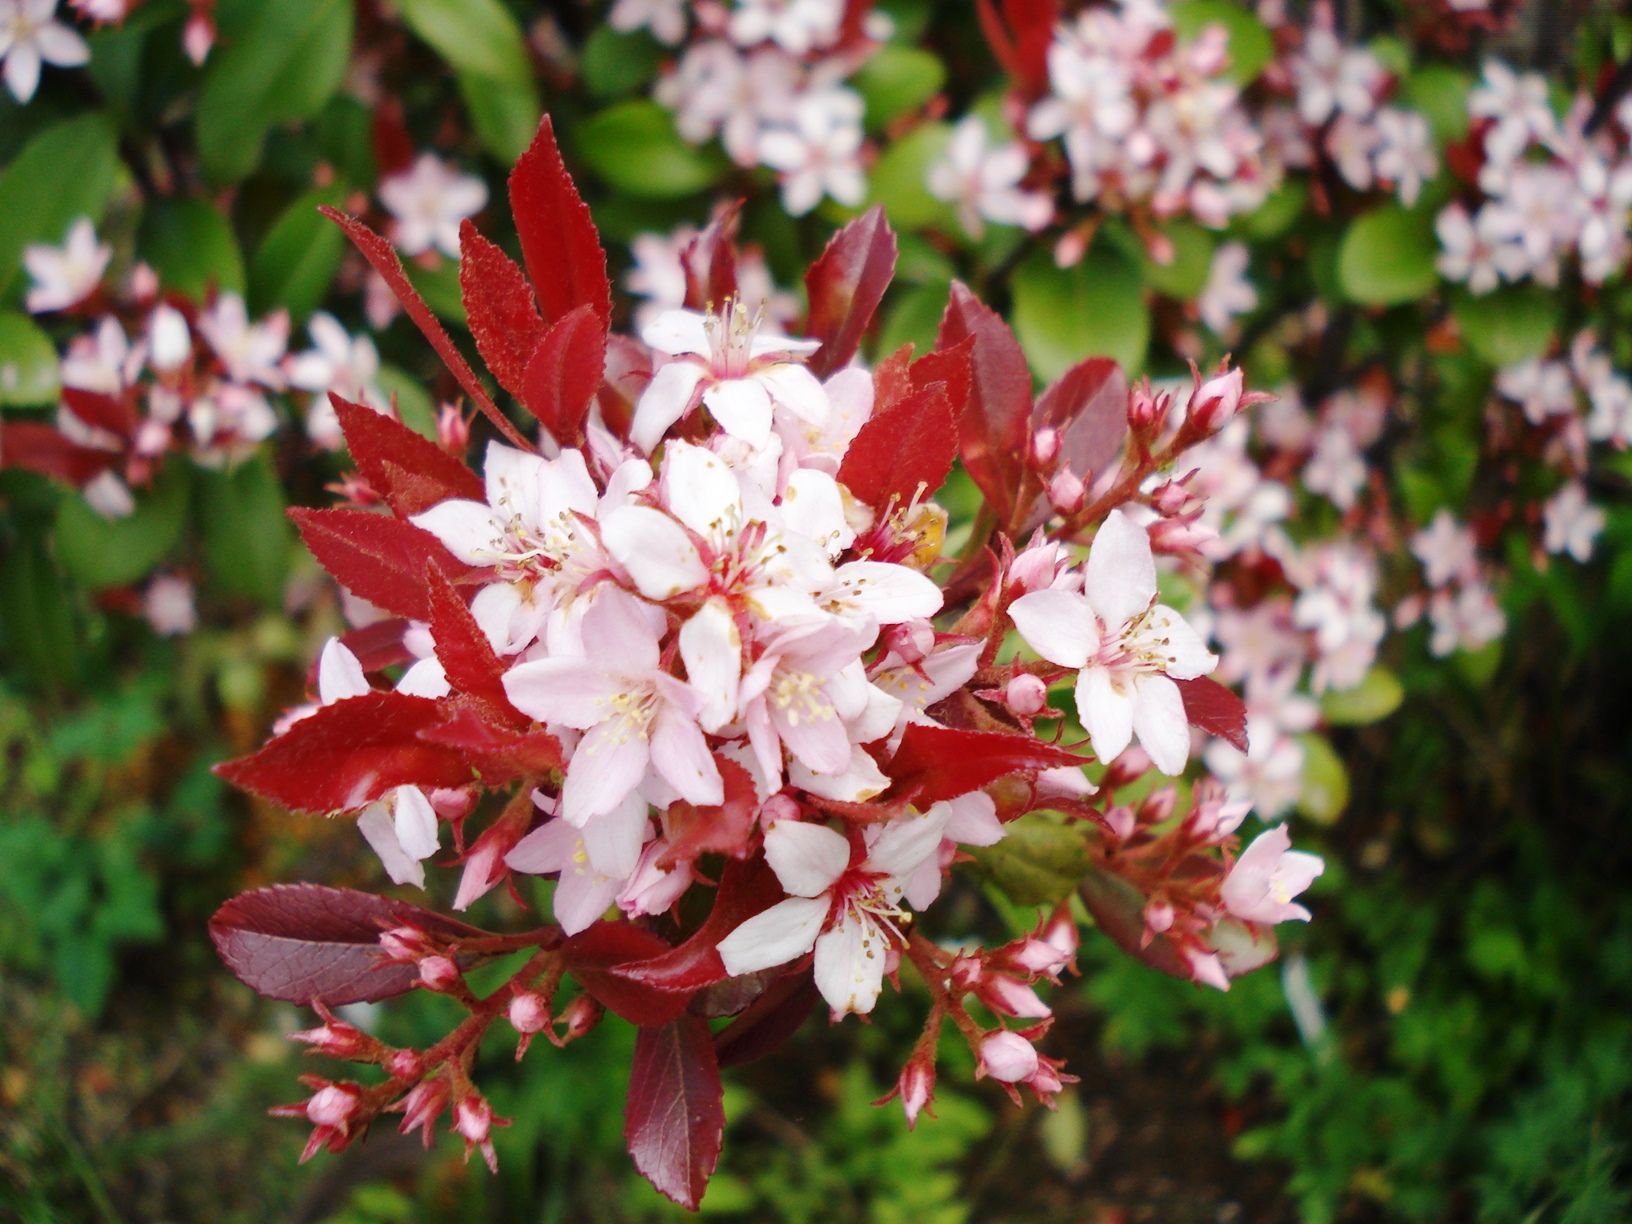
[[965, 974], [579, 1017], [1171, 497], [406, 943], [1066, 492], [1121, 821], [334, 1105], [917, 1088], [780, 806], [452, 430], [438, 973], [1158, 806], [404, 1065], [1147, 409], [1009, 997], [529, 1012], [1159, 916], [337, 1039], [473, 1119], [909, 641], [1007, 1057], [1045, 446], [1026, 694], [1217, 400]]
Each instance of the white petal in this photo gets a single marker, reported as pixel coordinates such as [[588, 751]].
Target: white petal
[[849, 966], [889, 593], [1120, 577], [574, 692], [1158, 718], [608, 763], [743, 408], [415, 823], [902, 844], [798, 390], [857, 782], [680, 754], [678, 331], [1187, 655], [380, 832], [806, 857], [339, 674], [613, 842], [654, 549], [712, 650], [700, 490], [782, 933], [1106, 712], [426, 678], [1059, 625], [665, 401], [469, 529], [513, 479], [813, 507]]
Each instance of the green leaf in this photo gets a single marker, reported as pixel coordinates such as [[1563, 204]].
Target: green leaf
[[1038, 861], [439, 286], [297, 260], [36, 618], [1440, 93], [28, 362], [634, 147], [1095, 309], [1278, 213], [896, 81], [1387, 257], [101, 552], [1508, 326], [1378, 695], [1185, 275], [913, 316], [414, 404], [191, 246], [479, 37], [246, 538], [900, 180], [615, 64], [66, 172], [284, 65], [1325, 780], [1251, 47], [504, 117]]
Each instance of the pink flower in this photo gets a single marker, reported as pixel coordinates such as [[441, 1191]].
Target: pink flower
[[1571, 523], [66, 275], [844, 901], [429, 200], [983, 181], [1007, 1057], [1128, 648], [31, 34], [1262, 882]]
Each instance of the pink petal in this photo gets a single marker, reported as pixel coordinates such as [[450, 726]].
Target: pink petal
[[680, 754], [654, 549], [849, 968]]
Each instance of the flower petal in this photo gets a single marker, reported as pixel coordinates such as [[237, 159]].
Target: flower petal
[[339, 674], [654, 549], [1159, 720], [806, 857], [680, 754], [712, 650], [1059, 625], [573, 692], [1120, 577], [700, 490], [415, 823], [742, 406], [379, 830], [849, 967], [782, 933], [468, 529], [666, 399], [1106, 712]]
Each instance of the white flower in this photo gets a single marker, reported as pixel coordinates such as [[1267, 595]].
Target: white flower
[[340, 363], [1128, 647], [250, 352], [1446, 549], [66, 275], [848, 911], [819, 152], [1228, 292], [1571, 523], [429, 200], [983, 180], [797, 26], [666, 19], [30, 34], [1405, 152]]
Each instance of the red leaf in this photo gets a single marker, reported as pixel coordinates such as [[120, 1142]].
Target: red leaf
[[564, 372], [37, 447], [349, 753], [892, 378], [745, 890], [710, 261], [768, 1021], [1118, 908], [722, 828], [1215, 709], [499, 306], [559, 241], [993, 429], [461, 647], [592, 954], [674, 1119], [393, 146], [376, 646], [1019, 41], [942, 763], [498, 753], [845, 286], [383, 259], [114, 413], [907, 448], [303, 943], [410, 471], [1088, 407], [380, 558]]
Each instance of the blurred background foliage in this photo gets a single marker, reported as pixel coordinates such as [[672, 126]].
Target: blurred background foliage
[[1450, 1039]]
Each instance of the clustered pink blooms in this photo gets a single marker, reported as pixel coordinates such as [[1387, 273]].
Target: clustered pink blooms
[[698, 635]]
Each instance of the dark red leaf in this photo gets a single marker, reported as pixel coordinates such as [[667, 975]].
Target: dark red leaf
[[564, 372], [303, 943], [1019, 39], [559, 241], [745, 890], [1118, 908], [114, 413], [674, 1119], [349, 753], [408, 470], [383, 259], [710, 261], [376, 646], [942, 763], [35, 446], [499, 307], [892, 378], [592, 954], [993, 428], [1215, 709], [500, 753], [722, 828], [905, 450], [845, 286], [461, 647], [768, 1021], [393, 146], [1088, 407], [375, 556]]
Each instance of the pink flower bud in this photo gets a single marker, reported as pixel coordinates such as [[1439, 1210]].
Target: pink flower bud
[[778, 807], [1158, 806], [1147, 410], [334, 1105], [1007, 1057], [473, 1119], [1066, 492], [404, 1065], [1045, 446], [1121, 821], [452, 430], [423, 1105], [438, 973], [406, 943], [1159, 916], [1026, 694], [579, 1017], [965, 974], [337, 1039], [529, 1012], [1171, 497], [1008, 997], [1217, 400], [917, 1088], [1206, 968], [909, 641]]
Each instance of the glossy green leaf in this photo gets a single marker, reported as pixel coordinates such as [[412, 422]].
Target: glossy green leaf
[[1439, 93], [1325, 790], [900, 180], [283, 65], [68, 171], [615, 64], [36, 619], [101, 552], [1251, 47], [1378, 695], [190, 244], [1185, 275], [296, 261], [28, 362], [247, 541], [896, 81], [1508, 326], [479, 37], [634, 147], [1387, 257], [1095, 309]]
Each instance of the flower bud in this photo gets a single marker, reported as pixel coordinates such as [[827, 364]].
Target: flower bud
[[578, 1018], [406, 943], [423, 1105], [170, 342], [1159, 916], [1007, 1057], [333, 1106], [965, 974], [1217, 400], [452, 430], [917, 1088], [778, 807], [1045, 446], [1009, 997], [1121, 821], [438, 973], [404, 1065], [1147, 409], [473, 1119], [529, 1012], [337, 1039], [910, 640], [1026, 694], [1066, 492], [1171, 497]]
